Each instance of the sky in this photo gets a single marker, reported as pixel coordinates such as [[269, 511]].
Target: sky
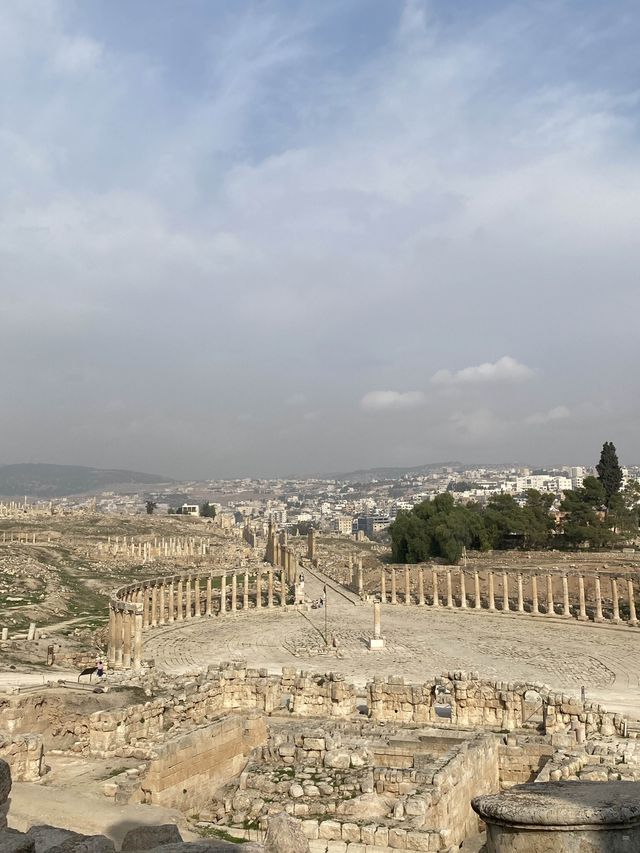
[[282, 237]]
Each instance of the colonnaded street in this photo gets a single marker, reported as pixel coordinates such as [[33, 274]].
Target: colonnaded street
[[419, 643]]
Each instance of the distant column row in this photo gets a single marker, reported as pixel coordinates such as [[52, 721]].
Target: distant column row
[[182, 597], [536, 594], [125, 636]]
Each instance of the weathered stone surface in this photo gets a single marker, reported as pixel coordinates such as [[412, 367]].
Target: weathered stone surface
[[564, 817], [285, 835], [84, 844], [45, 837], [148, 837], [12, 841], [5, 781]]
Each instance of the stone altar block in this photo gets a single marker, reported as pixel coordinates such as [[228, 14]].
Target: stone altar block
[[563, 817]]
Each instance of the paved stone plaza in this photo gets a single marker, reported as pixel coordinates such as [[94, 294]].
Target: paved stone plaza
[[420, 643]]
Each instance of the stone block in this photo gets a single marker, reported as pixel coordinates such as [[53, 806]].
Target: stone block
[[350, 832], [330, 830]]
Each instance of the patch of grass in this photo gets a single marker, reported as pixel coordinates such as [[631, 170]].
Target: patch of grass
[[221, 834], [115, 772]]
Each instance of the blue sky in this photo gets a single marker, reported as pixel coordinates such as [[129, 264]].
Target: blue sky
[[285, 237]]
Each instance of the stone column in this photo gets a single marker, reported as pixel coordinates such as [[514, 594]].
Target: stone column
[[492, 600], [118, 643], [188, 614], [449, 590], [283, 588], [520, 594], [180, 602], [376, 621], [259, 589], [161, 604], [137, 638], [112, 638], [420, 586], [614, 600], [234, 591], [598, 594], [196, 596], [245, 591], [534, 595], [145, 606], [476, 590], [582, 615], [463, 590], [407, 585], [383, 586], [126, 643], [434, 579], [223, 594], [209, 596], [172, 603], [550, 608], [393, 585], [154, 606], [566, 609], [360, 578], [505, 592], [633, 620], [270, 588]]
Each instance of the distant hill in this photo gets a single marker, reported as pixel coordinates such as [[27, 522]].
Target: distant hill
[[369, 474], [38, 480]]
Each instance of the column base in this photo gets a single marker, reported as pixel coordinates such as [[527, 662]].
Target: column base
[[633, 623], [599, 619], [582, 618], [376, 643]]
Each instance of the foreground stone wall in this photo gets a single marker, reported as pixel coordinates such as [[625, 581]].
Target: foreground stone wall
[[24, 754], [477, 703], [133, 731], [48, 714], [185, 772]]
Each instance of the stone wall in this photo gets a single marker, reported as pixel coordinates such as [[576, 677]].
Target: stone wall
[[185, 772], [497, 705], [62, 725], [133, 731], [24, 754]]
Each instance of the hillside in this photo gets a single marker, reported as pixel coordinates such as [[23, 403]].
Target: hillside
[[37, 480]]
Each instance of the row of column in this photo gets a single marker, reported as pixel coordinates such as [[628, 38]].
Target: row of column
[[279, 554], [27, 538], [125, 636], [178, 546], [180, 598], [459, 577]]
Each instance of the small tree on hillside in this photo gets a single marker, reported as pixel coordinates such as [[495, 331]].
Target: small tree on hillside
[[207, 511], [609, 471], [150, 507]]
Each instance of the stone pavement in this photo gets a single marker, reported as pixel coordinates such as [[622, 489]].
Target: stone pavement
[[420, 643]]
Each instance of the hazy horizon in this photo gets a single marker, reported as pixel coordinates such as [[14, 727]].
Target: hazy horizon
[[318, 237]]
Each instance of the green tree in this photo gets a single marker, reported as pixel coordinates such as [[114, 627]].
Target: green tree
[[583, 515], [150, 506], [538, 523], [609, 471], [207, 511], [437, 528]]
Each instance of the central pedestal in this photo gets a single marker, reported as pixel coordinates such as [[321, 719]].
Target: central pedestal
[[376, 643], [563, 817]]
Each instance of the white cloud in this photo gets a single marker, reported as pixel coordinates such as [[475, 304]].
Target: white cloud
[[556, 414], [478, 425], [77, 55], [385, 400], [505, 369]]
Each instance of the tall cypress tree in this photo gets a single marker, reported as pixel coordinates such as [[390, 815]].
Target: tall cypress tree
[[609, 471]]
